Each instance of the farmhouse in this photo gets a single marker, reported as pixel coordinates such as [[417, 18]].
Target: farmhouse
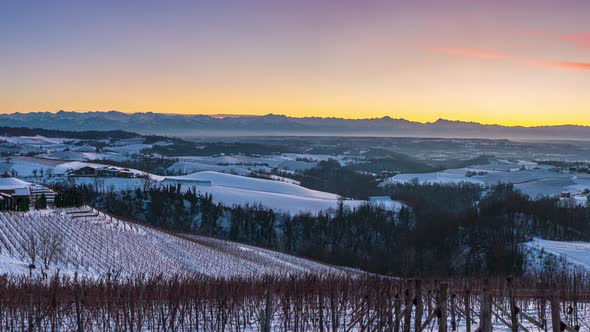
[[102, 171], [84, 171], [13, 187]]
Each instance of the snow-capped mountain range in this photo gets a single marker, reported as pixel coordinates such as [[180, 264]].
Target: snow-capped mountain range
[[271, 124]]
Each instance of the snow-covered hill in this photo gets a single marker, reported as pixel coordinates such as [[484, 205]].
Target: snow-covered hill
[[281, 196], [261, 185], [528, 177], [93, 244], [558, 255]]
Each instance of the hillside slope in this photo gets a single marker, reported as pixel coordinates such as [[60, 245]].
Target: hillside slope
[[93, 244], [558, 255]]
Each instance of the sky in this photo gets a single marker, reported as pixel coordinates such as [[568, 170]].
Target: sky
[[517, 62]]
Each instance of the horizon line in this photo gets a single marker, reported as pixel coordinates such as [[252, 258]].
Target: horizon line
[[238, 115]]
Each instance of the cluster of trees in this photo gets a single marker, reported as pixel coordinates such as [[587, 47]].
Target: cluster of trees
[[68, 197], [475, 173], [185, 148], [149, 165], [20, 204], [41, 202], [379, 160], [442, 230], [88, 134], [330, 176]]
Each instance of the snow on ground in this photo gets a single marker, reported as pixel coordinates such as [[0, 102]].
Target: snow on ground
[[280, 194], [105, 184], [66, 155], [96, 244], [284, 179], [24, 166], [35, 140], [547, 186], [279, 202], [9, 183], [186, 167], [84, 148], [532, 179], [62, 169], [260, 185], [231, 190], [129, 141], [105, 156], [287, 161], [129, 149], [444, 177], [571, 253]]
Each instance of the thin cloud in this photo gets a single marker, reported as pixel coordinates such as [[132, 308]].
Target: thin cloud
[[568, 65], [580, 40], [495, 55]]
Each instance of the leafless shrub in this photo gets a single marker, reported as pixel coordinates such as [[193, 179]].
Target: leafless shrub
[[30, 245], [51, 247]]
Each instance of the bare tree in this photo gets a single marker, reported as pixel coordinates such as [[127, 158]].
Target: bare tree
[[99, 184], [51, 247], [147, 182], [30, 244]]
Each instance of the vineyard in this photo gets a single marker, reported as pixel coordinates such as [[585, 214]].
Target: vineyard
[[303, 303], [80, 269], [93, 244]]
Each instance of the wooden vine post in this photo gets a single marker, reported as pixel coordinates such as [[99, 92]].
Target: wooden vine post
[[467, 304], [408, 307], [555, 319], [513, 317], [267, 310], [419, 305], [485, 317], [398, 311], [443, 303]]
